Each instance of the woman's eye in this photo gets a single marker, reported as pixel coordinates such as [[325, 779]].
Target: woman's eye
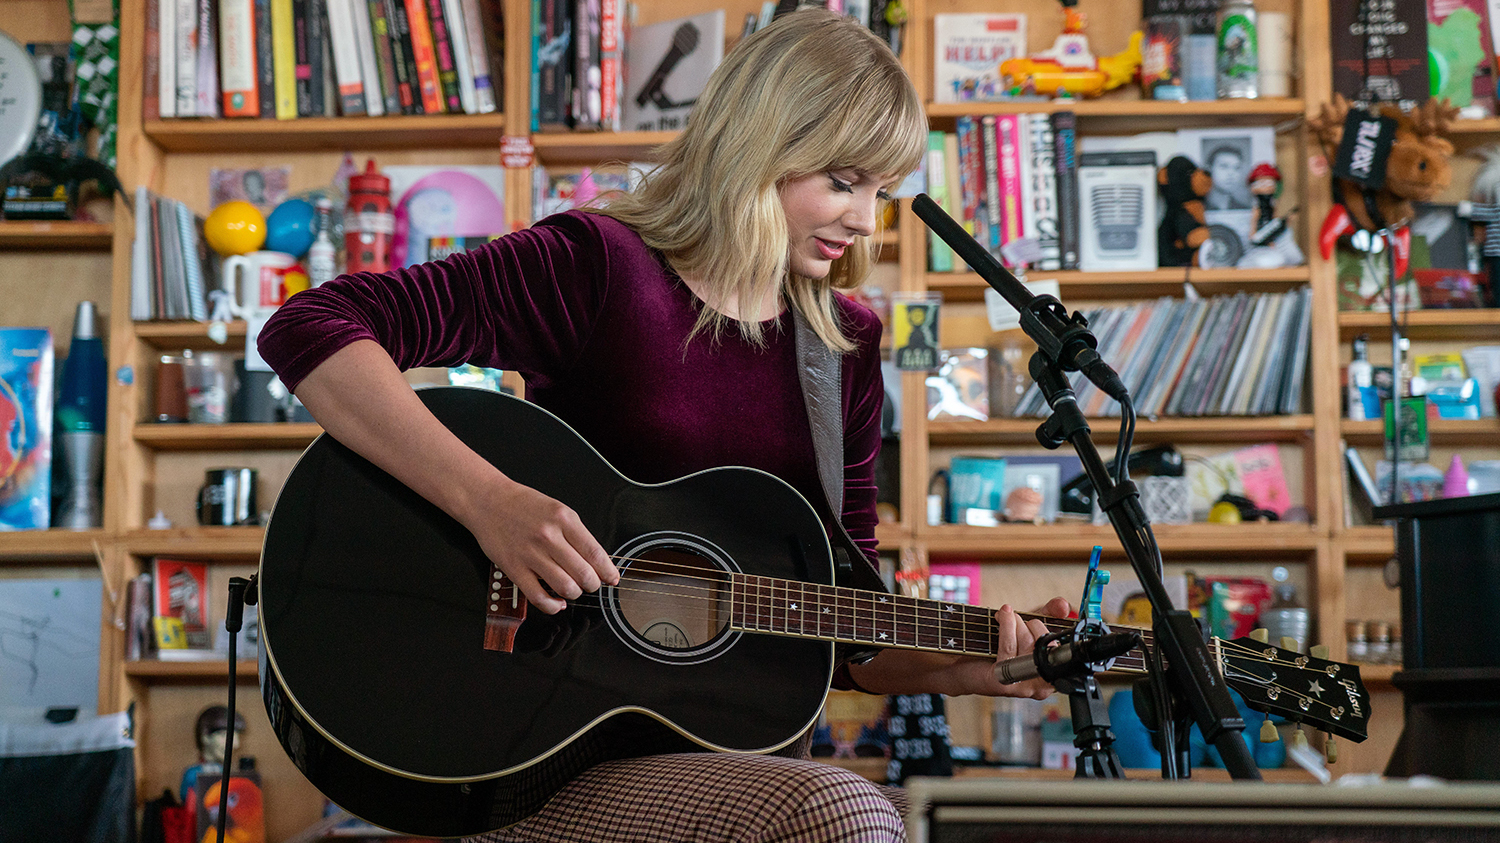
[[841, 185], [883, 196]]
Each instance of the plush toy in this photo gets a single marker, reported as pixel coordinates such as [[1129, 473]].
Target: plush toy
[[1183, 185], [1416, 170]]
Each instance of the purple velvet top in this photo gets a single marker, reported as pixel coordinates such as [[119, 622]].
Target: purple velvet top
[[595, 321]]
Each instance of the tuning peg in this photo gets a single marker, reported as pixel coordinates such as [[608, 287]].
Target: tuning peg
[[1289, 643], [1331, 750], [1318, 651], [1268, 733], [1262, 635], [1299, 739]]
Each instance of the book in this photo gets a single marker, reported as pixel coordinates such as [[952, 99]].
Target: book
[[1117, 194], [611, 64], [1064, 128], [185, 54], [552, 66], [970, 177], [1013, 188], [265, 61], [1042, 212], [238, 69], [429, 89], [381, 40], [667, 65], [140, 640], [180, 610], [405, 59], [1291, 400], [159, 67], [588, 101], [1391, 68], [26, 401], [989, 144], [968, 50], [975, 488], [939, 256], [348, 70], [284, 58], [458, 33], [365, 49], [206, 75], [444, 57], [485, 72]]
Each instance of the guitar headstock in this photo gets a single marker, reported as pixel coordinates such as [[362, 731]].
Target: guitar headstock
[[1326, 694]]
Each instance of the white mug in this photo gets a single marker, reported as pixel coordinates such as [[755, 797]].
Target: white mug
[[263, 287]]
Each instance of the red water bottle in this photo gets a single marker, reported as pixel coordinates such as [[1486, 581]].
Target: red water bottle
[[368, 222]]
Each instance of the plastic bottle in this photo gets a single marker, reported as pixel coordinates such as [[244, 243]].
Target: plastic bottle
[[1361, 377], [321, 255], [1286, 617], [368, 222]]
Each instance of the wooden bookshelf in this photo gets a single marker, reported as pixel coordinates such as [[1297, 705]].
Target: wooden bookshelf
[[1458, 323], [968, 286], [1123, 115], [233, 436], [327, 133], [56, 236], [1029, 542], [53, 545], [1208, 429]]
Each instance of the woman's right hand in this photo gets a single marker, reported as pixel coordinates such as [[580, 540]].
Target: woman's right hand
[[540, 543]]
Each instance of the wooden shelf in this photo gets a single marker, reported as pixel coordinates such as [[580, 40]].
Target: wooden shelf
[[1112, 114], [175, 336], [51, 545], [1378, 674], [968, 286], [329, 133], [1485, 432], [215, 543], [56, 236], [595, 147], [234, 436], [1072, 541], [207, 669], [1367, 545], [1208, 429], [1462, 323]]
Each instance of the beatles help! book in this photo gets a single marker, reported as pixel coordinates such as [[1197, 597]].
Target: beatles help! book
[[181, 619]]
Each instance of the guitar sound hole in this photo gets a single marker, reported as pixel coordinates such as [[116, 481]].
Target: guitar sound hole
[[674, 599], [673, 602]]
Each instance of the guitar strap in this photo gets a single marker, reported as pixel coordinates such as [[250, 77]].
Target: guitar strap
[[820, 371]]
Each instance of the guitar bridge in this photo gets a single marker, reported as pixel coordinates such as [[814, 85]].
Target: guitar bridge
[[504, 613]]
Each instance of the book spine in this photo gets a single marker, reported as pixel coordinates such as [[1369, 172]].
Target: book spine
[[344, 44], [317, 44], [186, 52], [140, 258], [1012, 224], [586, 70], [970, 186], [365, 51], [265, 62], [406, 61], [611, 76], [443, 56], [492, 24], [237, 67], [428, 87], [476, 68], [538, 31], [151, 75], [1064, 126], [1044, 191], [553, 66], [385, 59], [206, 100], [990, 141], [302, 60], [939, 256], [284, 50]]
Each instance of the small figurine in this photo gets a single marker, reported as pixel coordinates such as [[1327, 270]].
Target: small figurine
[[212, 734], [1184, 227], [1070, 69], [1271, 241]]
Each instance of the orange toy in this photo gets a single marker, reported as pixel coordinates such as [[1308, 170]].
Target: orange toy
[[1070, 68]]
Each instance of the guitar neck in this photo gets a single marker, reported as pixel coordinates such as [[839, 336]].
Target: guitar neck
[[854, 616]]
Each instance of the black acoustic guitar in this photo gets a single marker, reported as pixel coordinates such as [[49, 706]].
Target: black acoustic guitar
[[398, 680]]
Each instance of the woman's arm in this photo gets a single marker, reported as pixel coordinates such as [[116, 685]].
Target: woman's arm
[[360, 397], [917, 672]]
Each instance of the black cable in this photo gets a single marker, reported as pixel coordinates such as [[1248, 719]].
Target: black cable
[[240, 592]]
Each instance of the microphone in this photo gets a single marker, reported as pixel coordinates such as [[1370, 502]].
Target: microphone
[[684, 41], [1052, 663]]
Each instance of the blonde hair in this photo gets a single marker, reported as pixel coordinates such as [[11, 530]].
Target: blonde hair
[[812, 92]]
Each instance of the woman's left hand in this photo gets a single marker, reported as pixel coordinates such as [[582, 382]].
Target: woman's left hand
[[1017, 637]]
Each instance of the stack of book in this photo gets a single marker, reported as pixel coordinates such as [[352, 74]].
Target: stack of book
[[321, 58], [172, 267], [1234, 355]]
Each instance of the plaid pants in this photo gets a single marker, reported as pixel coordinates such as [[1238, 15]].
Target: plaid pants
[[704, 797]]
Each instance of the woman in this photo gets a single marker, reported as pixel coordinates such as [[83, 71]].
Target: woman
[[660, 329]]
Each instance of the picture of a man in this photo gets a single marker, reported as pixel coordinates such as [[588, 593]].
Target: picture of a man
[[1227, 161]]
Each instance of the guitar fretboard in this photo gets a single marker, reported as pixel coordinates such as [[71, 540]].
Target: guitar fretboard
[[854, 616]]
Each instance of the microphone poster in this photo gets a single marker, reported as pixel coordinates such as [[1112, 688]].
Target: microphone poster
[[667, 65]]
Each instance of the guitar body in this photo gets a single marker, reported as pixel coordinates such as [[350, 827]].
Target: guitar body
[[373, 605]]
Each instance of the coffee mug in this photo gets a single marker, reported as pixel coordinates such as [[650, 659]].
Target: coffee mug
[[257, 281], [227, 498]]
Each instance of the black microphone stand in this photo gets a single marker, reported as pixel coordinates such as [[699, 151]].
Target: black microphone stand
[[1065, 344]]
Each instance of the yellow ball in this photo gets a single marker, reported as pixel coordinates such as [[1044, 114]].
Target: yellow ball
[[235, 228], [1224, 512]]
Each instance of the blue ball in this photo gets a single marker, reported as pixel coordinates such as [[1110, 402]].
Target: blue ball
[[291, 227]]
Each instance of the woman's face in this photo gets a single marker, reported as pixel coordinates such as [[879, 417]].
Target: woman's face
[[826, 211]]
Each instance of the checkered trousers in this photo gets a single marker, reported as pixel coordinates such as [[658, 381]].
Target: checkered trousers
[[718, 798]]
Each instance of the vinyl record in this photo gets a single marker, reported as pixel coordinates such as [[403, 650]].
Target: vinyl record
[[20, 98]]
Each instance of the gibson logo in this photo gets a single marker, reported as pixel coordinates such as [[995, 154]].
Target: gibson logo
[[1351, 689]]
